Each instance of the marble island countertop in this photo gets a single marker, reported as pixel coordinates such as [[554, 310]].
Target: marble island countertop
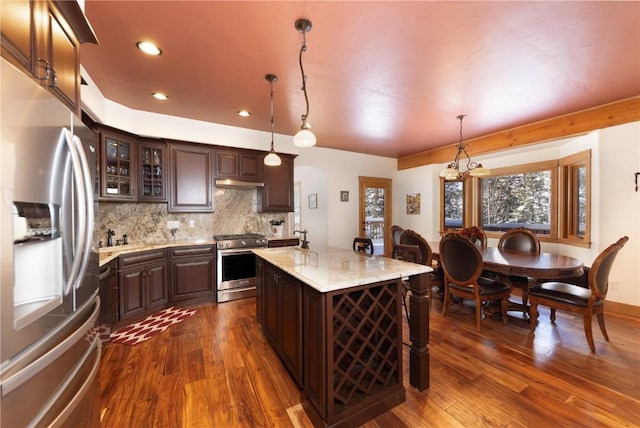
[[329, 269]]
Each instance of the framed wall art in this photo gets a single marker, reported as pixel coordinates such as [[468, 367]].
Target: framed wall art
[[413, 203], [344, 196]]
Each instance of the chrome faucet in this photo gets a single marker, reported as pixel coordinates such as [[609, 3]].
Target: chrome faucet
[[305, 243], [110, 234]]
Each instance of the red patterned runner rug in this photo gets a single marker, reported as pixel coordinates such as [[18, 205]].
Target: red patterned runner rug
[[150, 326]]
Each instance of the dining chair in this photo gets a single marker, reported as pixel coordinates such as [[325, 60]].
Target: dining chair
[[414, 238], [524, 240], [396, 232], [576, 299], [363, 245], [462, 264], [407, 253]]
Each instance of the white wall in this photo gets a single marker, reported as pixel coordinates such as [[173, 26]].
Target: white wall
[[619, 207], [326, 172]]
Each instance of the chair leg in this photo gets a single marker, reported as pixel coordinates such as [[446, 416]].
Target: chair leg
[[478, 315], [525, 295], [603, 329], [445, 302], [533, 316], [552, 316], [587, 331]]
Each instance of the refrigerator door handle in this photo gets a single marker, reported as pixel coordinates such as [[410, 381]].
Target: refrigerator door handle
[[80, 229], [16, 380], [87, 187], [73, 403]]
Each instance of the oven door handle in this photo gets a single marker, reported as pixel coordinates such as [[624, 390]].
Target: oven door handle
[[237, 251]]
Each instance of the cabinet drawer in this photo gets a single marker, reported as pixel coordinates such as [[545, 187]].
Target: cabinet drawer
[[143, 257], [201, 250]]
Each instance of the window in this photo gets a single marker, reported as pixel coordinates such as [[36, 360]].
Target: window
[[521, 196], [552, 198], [453, 205]]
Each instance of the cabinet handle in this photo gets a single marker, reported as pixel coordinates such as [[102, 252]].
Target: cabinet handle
[[47, 69], [49, 73], [54, 79]]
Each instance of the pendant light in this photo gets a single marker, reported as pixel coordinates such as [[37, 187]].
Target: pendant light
[[304, 137], [474, 169], [272, 159]]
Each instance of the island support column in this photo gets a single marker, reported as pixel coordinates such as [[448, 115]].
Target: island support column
[[419, 300]]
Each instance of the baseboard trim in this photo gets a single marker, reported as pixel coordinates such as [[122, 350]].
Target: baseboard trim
[[622, 308]]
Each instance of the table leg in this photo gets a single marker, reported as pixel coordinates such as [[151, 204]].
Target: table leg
[[420, 286]]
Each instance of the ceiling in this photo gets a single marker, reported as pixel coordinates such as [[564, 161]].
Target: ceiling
[[383, 77]]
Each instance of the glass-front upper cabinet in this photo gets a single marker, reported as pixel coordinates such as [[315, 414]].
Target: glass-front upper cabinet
[[117, 167], [151, 161]]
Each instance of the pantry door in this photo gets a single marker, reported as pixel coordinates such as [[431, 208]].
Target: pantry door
[[375, 212]]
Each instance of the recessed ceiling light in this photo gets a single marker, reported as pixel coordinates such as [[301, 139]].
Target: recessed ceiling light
[[244, 113], [160, 96], [149, 48]]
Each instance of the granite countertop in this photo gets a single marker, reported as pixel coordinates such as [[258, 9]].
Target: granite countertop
[[106, 254], [329, 269]]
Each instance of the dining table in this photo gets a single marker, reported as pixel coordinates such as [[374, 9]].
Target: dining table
[[518, 263], [539, 266], [507, 262]]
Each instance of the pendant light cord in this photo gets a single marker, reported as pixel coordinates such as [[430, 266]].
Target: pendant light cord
[[271, 95], [304, 77]]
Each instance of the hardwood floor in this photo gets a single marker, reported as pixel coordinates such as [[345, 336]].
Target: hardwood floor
[[216, 369]]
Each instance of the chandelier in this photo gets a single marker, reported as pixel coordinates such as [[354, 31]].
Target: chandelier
[[272, 159], [304, 137], [473, 169]]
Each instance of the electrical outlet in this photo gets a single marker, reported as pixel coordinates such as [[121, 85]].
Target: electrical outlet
[[613, 285], [192, 223], [173, 224]]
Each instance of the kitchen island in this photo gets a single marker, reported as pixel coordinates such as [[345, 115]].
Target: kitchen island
[[335, 319]]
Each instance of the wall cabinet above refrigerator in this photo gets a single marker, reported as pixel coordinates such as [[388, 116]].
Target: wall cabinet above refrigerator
[[43, 38]]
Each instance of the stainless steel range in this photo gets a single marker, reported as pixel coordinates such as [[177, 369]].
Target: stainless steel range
[[236, 277]]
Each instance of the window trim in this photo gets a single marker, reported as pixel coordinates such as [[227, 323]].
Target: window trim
[[568, 199]]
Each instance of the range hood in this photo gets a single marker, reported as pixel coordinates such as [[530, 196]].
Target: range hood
[[238, 184]]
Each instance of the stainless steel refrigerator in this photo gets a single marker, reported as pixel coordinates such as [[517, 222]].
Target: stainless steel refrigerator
[[49, 343]]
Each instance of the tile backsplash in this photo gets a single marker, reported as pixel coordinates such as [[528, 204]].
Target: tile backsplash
[[234, 212]]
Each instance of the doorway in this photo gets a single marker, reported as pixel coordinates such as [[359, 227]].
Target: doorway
[[375, 212]]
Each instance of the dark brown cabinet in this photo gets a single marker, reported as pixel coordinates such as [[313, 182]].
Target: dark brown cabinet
[[117, 166], [192, 272], [36, 37], [152, 177], [239, 164], [109, 302], [282, 314], [191, 181], [277, 194], [142, 283]]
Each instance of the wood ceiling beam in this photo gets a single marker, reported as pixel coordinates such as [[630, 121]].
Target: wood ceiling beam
[[616, 113]]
